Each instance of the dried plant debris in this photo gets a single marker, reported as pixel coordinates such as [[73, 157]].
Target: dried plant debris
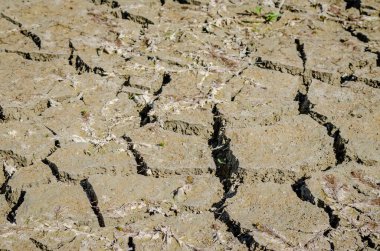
[[189, 125]]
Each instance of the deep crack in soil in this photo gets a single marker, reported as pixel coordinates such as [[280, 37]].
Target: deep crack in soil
[[93, 199], [227, 170]]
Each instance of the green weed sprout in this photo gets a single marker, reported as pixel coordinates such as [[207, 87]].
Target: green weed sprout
[[257, 10], [272, 17]]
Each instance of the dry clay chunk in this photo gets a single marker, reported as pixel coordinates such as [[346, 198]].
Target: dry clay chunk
[[25, 85], [61, 211], [46, 237], [25, 178], [14, 40], [166, 152], [185, 103], [25, 142], [265, 98], [132, 198], [276, 217], [352, 192], [189, 122], [4, 210], [13, 238], [281, 53], [355, 111], [296, 144], [55, 35], [77, 161], [187, 231], [328, 66], [76, 121], [56, 203]]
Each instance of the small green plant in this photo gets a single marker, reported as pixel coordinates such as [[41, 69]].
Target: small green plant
[[257, 10], [269, 17], [272, 17], [162, 144]]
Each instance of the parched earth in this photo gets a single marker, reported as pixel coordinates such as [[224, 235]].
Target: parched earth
[[190, 125]]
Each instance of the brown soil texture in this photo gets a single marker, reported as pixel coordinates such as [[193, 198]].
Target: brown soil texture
[[190, 125]]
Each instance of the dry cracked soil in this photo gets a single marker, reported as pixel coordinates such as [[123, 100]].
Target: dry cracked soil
[[190, 125]]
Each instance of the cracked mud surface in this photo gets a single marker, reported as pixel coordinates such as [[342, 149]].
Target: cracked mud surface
[[189, 125]]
